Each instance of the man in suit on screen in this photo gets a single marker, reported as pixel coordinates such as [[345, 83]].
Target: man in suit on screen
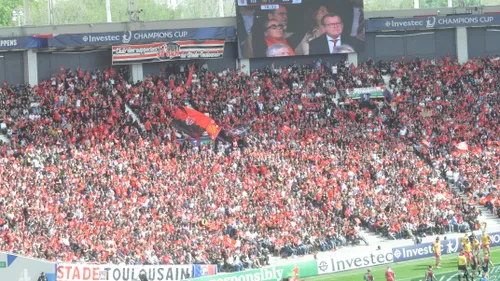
[[330, 42]]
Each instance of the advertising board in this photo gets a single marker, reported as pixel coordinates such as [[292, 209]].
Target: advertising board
[[338, 263], [89, 272], [17, 268], [274, 273], [424, 250], [158, 52], [432, 22]]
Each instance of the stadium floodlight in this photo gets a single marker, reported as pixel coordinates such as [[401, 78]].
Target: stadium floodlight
[[16, 16]]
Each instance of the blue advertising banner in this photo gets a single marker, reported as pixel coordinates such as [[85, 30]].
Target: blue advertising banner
[[431, 22], [143, 36], [424, 250], [22, 43]]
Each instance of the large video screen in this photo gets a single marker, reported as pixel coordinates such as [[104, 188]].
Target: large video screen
[[283, 28]]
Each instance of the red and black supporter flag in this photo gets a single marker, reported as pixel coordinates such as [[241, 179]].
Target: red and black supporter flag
[[194, 123]]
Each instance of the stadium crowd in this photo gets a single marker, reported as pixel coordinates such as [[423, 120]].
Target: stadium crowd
[[94, 172]]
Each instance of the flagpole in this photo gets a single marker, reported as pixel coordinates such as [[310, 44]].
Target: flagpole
[[26, 13], [108, 11]]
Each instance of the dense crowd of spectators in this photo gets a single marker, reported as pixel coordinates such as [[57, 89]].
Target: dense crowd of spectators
[[83, 178]]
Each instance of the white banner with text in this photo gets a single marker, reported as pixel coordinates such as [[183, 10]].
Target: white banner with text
[[89, 272], [170, 51]]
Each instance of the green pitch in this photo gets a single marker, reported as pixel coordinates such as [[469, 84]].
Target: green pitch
[[413, 270]]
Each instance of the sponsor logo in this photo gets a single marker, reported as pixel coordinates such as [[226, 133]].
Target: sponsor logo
[[323, 266], [431, 22], [435, 22], [452, 246], [338, 264], [126, 37], [414, 252], [397, 254], [100, 38]]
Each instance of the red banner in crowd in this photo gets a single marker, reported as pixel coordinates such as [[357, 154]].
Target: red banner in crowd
[[230, 242], [157, 52], [193, 123]]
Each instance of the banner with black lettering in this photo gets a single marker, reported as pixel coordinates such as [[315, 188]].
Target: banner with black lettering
[[89, 272], [158, 52]]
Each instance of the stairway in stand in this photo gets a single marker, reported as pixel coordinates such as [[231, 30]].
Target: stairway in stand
[[492, 220]]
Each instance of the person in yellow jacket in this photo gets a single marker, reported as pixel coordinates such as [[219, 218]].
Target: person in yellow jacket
[[462, 266], [467, 248], [485, 240], [436, 247], [465, 239], [476, 246]]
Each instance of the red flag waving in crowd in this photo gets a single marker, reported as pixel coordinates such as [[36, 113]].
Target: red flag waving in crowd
[[194, 123], [230, 243], [190, 76]]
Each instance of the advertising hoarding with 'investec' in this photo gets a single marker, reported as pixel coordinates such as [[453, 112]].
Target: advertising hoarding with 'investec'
[[338, 263], [432, 22], [424, 250]]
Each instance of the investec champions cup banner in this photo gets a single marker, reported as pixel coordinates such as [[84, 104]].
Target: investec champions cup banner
[[157, 52], [432, 22], [143, 36], [274, 273], [115, 38], [16, 268], [88, 272], [448, 246]]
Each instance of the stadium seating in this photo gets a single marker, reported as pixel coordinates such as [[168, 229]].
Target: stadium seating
[[83, 178]]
